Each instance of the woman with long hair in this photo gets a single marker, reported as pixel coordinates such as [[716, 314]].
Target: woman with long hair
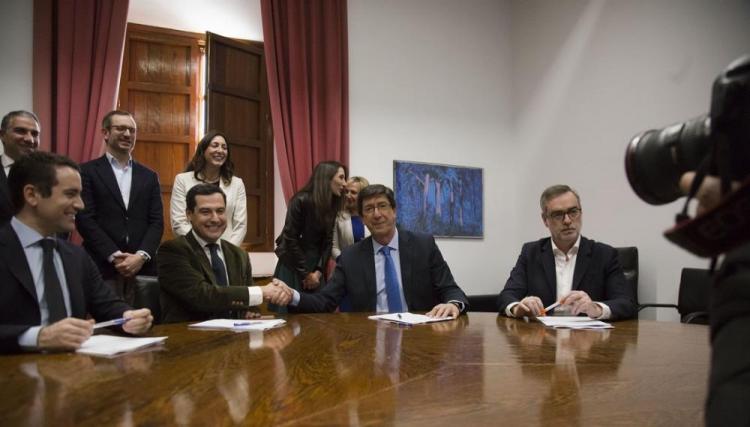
[[212, 164], [304, 245]]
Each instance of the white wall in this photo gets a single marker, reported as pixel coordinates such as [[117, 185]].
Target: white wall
[[431, 81], [238, 19], [537, 93], [16, 44], [587, 76]]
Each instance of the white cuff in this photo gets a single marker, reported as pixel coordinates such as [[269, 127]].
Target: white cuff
[[509, 308], [606, 311], [29, 340], [255, 295]]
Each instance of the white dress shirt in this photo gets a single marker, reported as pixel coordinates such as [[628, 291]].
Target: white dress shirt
[[30, 242]]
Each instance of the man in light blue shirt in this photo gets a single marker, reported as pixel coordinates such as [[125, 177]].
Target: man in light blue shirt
[[391, 271], [49, 285]]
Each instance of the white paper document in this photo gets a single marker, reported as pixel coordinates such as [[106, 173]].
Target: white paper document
[[408, 318], [239, 324], [573, 322], [110, 345]]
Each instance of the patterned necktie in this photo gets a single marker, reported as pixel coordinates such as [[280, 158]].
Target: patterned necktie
[[52, 288], [217, 265], [392, 287]]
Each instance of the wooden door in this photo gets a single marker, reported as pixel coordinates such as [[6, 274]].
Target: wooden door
[[159, 85], [237, 104]]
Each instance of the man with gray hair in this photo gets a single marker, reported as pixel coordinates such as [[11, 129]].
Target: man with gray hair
[[19, 134], [583, 275]]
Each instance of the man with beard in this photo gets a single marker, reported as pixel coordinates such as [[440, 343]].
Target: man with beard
[[583, 275], [122, 221], [19, 136]]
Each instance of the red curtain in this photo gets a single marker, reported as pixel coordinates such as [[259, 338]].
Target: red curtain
[[306, 53], [78, 48]]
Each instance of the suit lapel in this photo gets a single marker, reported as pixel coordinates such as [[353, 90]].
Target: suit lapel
[[582, 262], [200, 254], [404, 253], [135, 185], [233, 264], [368, 266], [4, 192], [13, 254], [73, 280], [548, 263], [104, 170]]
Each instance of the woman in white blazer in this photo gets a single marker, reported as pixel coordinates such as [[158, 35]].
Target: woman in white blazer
[[211, 163], [349, 228]]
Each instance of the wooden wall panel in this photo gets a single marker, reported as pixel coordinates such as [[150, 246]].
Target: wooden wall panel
[[159, 85]]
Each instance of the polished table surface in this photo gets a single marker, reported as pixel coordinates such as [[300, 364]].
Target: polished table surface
[[343, 369]]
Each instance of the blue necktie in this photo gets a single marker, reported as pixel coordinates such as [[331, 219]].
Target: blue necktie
[[52, 288], [217, 265], [392, 288]]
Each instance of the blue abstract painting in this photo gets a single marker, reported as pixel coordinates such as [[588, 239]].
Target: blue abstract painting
[[442, 200]]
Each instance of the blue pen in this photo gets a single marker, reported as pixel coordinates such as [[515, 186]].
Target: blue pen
[[113, 322], [246, 323]]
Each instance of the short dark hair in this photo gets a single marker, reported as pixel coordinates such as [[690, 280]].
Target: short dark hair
[[202, 190], [18, 113], [38, 169], [107, 120], [372, 191], [551, 192]]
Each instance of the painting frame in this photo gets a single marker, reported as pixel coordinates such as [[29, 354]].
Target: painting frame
[[446, 201]]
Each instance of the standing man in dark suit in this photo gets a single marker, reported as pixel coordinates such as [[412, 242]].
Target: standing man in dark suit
[[202, 276], [584, 275], [122, 222], [48, 285], [19, 133], [391, 271]]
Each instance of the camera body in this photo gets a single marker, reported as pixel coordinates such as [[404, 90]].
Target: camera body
[[718, 144]]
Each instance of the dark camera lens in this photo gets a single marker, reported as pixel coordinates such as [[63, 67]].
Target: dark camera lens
[[656, 159]]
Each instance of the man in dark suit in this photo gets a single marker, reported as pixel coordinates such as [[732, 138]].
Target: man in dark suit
[[202, 276], [393, 270], [48, 285], [19, 133], [583, 275], [123, 221]]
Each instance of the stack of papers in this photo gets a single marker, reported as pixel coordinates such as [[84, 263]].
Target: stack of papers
[[238, 324], [573, 322], [408, 318], [110, 345]]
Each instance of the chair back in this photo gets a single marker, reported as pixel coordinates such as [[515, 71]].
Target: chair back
[[483, 303], [629, 262], [694, 293], [147, 295]]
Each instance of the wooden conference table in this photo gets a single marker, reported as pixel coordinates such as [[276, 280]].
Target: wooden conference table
[[343, 369]]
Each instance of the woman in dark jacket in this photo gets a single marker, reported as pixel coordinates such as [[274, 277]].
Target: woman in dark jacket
[[304, 245]]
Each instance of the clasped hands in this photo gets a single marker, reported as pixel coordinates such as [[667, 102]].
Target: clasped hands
[[277, 292], [127, 264], [71, 332], [577, 302]]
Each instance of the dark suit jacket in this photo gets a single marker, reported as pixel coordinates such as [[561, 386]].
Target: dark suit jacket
[[6, 206], [425, 277], [19, 309], [597, 272], [189, 290], [106, 226]]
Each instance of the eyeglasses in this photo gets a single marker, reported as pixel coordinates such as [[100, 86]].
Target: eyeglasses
[[558, 216], [382, 207], [122, 129]]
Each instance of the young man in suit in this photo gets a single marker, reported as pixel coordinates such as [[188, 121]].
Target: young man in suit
[[202, 276], [19, 136], [584, 275], [122, 222], [48, 285], [391, 271]]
